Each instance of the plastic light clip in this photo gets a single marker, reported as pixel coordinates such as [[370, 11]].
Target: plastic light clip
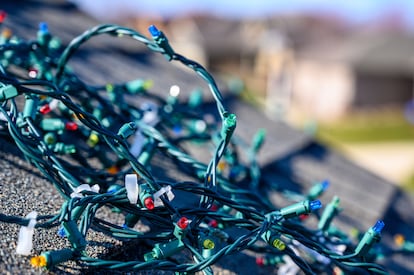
[[131, 186], [77, 193], [137, 144], [25, 240], [289, 268], [162, 191], [150, 113]]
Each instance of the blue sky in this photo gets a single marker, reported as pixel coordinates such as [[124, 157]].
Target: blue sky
[[354, 10]]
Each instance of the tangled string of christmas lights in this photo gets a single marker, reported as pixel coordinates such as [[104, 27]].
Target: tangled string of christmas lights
[[70, 131]]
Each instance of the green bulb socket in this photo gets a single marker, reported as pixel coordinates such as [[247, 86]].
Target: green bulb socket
[[127, 130], [144, 193], [408, 246], [52, 124], [297, 209], [30, 107], [165, 250], [229, 124], [273, 239], [137, 86], [274, 260], [258, 140], [162, 41], [55, 43], [317, 190], [54, 258], [371, 237], [195, 99], [179, 233], [64, 149], [74, 235], [131, 220], [7, 92], [331, 210], [43, 38], [146, 155]]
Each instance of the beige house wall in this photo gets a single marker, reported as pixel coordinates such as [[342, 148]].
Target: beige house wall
[[322, 90]]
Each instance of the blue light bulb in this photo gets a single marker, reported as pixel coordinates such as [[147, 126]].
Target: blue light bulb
[[315, 205], [379, 225], [113, 188], [177, 129], [61, 232], [43, 27], [154, 31], [325, 184]]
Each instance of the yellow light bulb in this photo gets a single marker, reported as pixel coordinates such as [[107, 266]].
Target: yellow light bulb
[[148, 84], [112, 170], [7, 33], [38, 261], [93, 140], [109, 88], [399, 239], [279, 244], [208, 244], [221, 166]]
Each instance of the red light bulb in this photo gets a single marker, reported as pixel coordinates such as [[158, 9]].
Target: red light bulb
[[213, 223], [260, 261], [3, 16], [45, 109], [303, 217], [183, 223], [33, 72], [149, 203], [71, 126]]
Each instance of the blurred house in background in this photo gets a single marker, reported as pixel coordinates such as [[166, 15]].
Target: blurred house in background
[[317, 65], [362, 70]]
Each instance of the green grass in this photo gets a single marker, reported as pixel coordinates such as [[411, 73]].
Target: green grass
[[252, 98], [370, 127], [385, 126], [408, 184]]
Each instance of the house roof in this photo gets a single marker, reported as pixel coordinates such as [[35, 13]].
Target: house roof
[[290, 158], [382, 52]]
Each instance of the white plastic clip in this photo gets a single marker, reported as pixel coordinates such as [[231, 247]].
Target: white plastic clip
[[77, 193], [131, 186], [317, 256], [289, 268], [53, 104], [137, 144], [159, 193], [25, 240], [3, 117], [150, 118]]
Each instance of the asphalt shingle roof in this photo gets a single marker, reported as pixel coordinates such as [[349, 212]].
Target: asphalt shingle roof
[[290, 158]]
